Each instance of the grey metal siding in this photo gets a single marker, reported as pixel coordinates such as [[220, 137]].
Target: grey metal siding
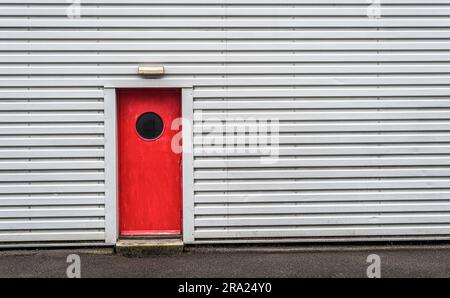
[[363, 104], [51, 165]]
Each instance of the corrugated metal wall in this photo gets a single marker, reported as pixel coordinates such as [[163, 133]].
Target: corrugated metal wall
[[51, 165], [363, 104]]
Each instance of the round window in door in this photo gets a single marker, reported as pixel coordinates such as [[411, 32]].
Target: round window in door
[[149, 126]]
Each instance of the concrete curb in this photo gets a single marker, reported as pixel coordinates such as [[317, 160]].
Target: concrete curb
[[313, 248]]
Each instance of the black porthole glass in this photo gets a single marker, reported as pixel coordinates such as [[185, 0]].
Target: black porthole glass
[[149, 126]]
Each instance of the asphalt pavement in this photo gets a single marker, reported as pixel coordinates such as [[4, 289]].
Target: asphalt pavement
[[337, 262]]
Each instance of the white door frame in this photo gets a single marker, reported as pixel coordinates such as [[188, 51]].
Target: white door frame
[[111, 158]]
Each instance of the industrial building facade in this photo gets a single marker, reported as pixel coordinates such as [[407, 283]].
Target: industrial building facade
[[358, 92]]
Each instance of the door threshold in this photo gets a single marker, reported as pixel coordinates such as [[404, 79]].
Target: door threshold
[[142, 247]]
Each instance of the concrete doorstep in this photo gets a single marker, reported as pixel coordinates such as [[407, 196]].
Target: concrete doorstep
[[147, 247]]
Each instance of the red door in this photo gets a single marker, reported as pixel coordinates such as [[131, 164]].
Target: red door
[[149, 170]]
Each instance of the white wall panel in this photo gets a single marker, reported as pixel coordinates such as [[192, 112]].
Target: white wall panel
[[363, 105]]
